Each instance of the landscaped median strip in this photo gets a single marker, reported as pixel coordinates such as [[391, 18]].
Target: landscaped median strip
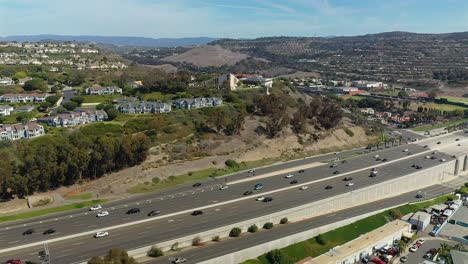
[[199, 208]]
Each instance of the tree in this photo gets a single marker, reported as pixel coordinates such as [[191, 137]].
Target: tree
[[235, 232], [77, 99], [276, 256], [396, 214], [112, 113], [196, 241], [36, 84], [320, 240], [155, 252], [268, 225], [114, 256], [20, 75], [232, 164], [284, 220], [402, 94], [52, 99], [252, 229], [70, 106]]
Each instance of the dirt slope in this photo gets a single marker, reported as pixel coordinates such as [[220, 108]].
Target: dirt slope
[[207, 55]]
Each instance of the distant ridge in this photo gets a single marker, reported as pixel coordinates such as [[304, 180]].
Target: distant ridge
[[116, 40]]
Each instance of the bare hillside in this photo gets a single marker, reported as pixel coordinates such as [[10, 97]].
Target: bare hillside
[[206, 56]]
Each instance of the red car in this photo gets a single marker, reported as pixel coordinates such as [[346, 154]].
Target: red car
[[14, 261], [377, 261], [418, 244]]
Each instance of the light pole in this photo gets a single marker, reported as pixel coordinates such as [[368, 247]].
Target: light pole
[[44, 255]]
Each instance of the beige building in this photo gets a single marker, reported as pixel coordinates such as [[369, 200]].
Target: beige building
[[228, 80]]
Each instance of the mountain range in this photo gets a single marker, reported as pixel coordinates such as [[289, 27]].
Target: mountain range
[[116, 40]]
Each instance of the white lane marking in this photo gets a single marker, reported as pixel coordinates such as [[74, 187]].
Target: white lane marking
[[65, 250], [61, 256], [128, 218], [149, 227], [91, 225], [11, 242], [76, 244]]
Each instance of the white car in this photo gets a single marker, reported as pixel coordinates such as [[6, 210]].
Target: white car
[[376, 156], [405, 150], [421, 240], [101, 234], [427, 157], [224, 187], [413, 249], [349, 184], [289, 176], [95, 207], [103, 213], [261, 198], [179, 260], [251, 171], [442, 160], [304, 188]]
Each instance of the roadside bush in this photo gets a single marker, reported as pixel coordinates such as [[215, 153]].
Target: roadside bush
[[235, 232], [155, 180], [348, 131], [215, 239], [232, 164], [175, 246], [320, 240], [253, 228], [196, 241], [284, 220], [155, 252], [276, 256], [268, 225], [395, 214]]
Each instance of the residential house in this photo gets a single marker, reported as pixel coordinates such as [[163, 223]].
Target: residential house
[[144, 107], [98, 90], [25, 109], [19, 131], [24, 98], [74, 118], [6, 81], [136, 84], [368, 111], [199, 102], [5, 110], [22, 81]]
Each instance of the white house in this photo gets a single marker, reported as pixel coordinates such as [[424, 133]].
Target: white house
[[7, 81], [5, 110]]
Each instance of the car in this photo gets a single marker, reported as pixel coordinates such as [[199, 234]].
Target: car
[[457, 139], [421, 241], [248, 192], [427, 157], [196, 184], [251, 171], [419, 195], [347, 178], [427, 256], [384, 159], [426, 146], [293, 182], [413, 166], [103, 213], [101, 234], [410, 153], [304, 188], [154, 212], [433, 251], [28, 232], [224, 187], [13, 261], [417, 244], [344, 161], [49, 231], [179, 260], [197, 212], [438, 143], [301, 171], [258, 186], [336, 172], [95, 207], [403, 259], [133, 211], [349, 184], [413, 249], [372, 175], [433, 157], [267, 199], [261, 198], [365, 259], [378, 159], [376, 156], [333, 165], [418, 167], [377, 261], [405, 150], [328, 187], [289, 176], [459, 145]]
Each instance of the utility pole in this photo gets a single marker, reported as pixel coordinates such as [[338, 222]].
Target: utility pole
[[44, 255]]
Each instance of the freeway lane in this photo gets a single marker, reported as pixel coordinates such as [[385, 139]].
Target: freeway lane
[[177, 226], [190, 199], [247, 241], [67, 226]]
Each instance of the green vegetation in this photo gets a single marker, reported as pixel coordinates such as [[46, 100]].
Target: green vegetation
[[155, 252], [20, 117], [114, 256], [84, 196], [349, 132], [455, 99], [321, 244], [235, 232], [284, 220], [50, 210], [439, 125], [253, 228], [440, 107], [100, 98], [268, 225]]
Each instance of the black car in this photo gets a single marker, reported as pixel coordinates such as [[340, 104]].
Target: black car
[[372, 175], [197, 212], [426, 146], [344, 161], [196, 184], [301, 171], [438, 142], [267, 199], [28, 232], [329, 187], [154, 212], [133, 211], [457, 139], [293, 182], [384, 160], [414, 165], [419, 195], [248, 192], [49, 231], [418, 167], [378, 159], [347, 179], [336, 172]]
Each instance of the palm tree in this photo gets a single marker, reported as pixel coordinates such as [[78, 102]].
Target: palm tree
[[444, 249], [401, 246]]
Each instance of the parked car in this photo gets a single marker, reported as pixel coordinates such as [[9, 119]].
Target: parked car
[[13, 261], [261, 198], [347, 179], [349, 184], [405, 150], [154, 212], [267, 199], [376, 156], [196, 184], [438, 143], [336, 172], [101, 234], [427, 256], [377, 261], [95, 207], [179, 260], [333, 165], [251, 170], [365, 259], [421, 241], [28, 232], [301, 171], [197, 212], [403, 259], [413, 249], [258, 186]]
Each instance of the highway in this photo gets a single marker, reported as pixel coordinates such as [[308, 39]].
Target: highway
[[163, 229]]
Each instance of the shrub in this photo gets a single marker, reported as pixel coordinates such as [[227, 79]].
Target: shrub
[[155, 252], [253, 228], [395, 214], [232, 164], [276, 256], [175, 246], [155, 180], [320, 240], [284, 220], [268, 225], [169, 129], [466, 184], [348, 131], [235, 232], [196, 241], [215, 239]]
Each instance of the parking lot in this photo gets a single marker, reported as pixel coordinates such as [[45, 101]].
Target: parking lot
[[417, 257], [455, 230]]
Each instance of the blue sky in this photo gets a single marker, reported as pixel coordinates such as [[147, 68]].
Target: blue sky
[[230, 18]]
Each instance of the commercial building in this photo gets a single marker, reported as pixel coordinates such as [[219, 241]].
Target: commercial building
[[459, 257], [420, 220], [364, 245]]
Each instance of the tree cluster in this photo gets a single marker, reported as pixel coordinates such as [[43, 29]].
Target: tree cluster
[[114, 256], [49, 162], [321, 111]]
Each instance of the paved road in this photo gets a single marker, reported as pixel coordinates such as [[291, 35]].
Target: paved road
[[232, 245], [164, 229], [417, 257]]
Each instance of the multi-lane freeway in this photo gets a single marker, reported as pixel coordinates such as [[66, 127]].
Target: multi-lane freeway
[[223, 206]]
